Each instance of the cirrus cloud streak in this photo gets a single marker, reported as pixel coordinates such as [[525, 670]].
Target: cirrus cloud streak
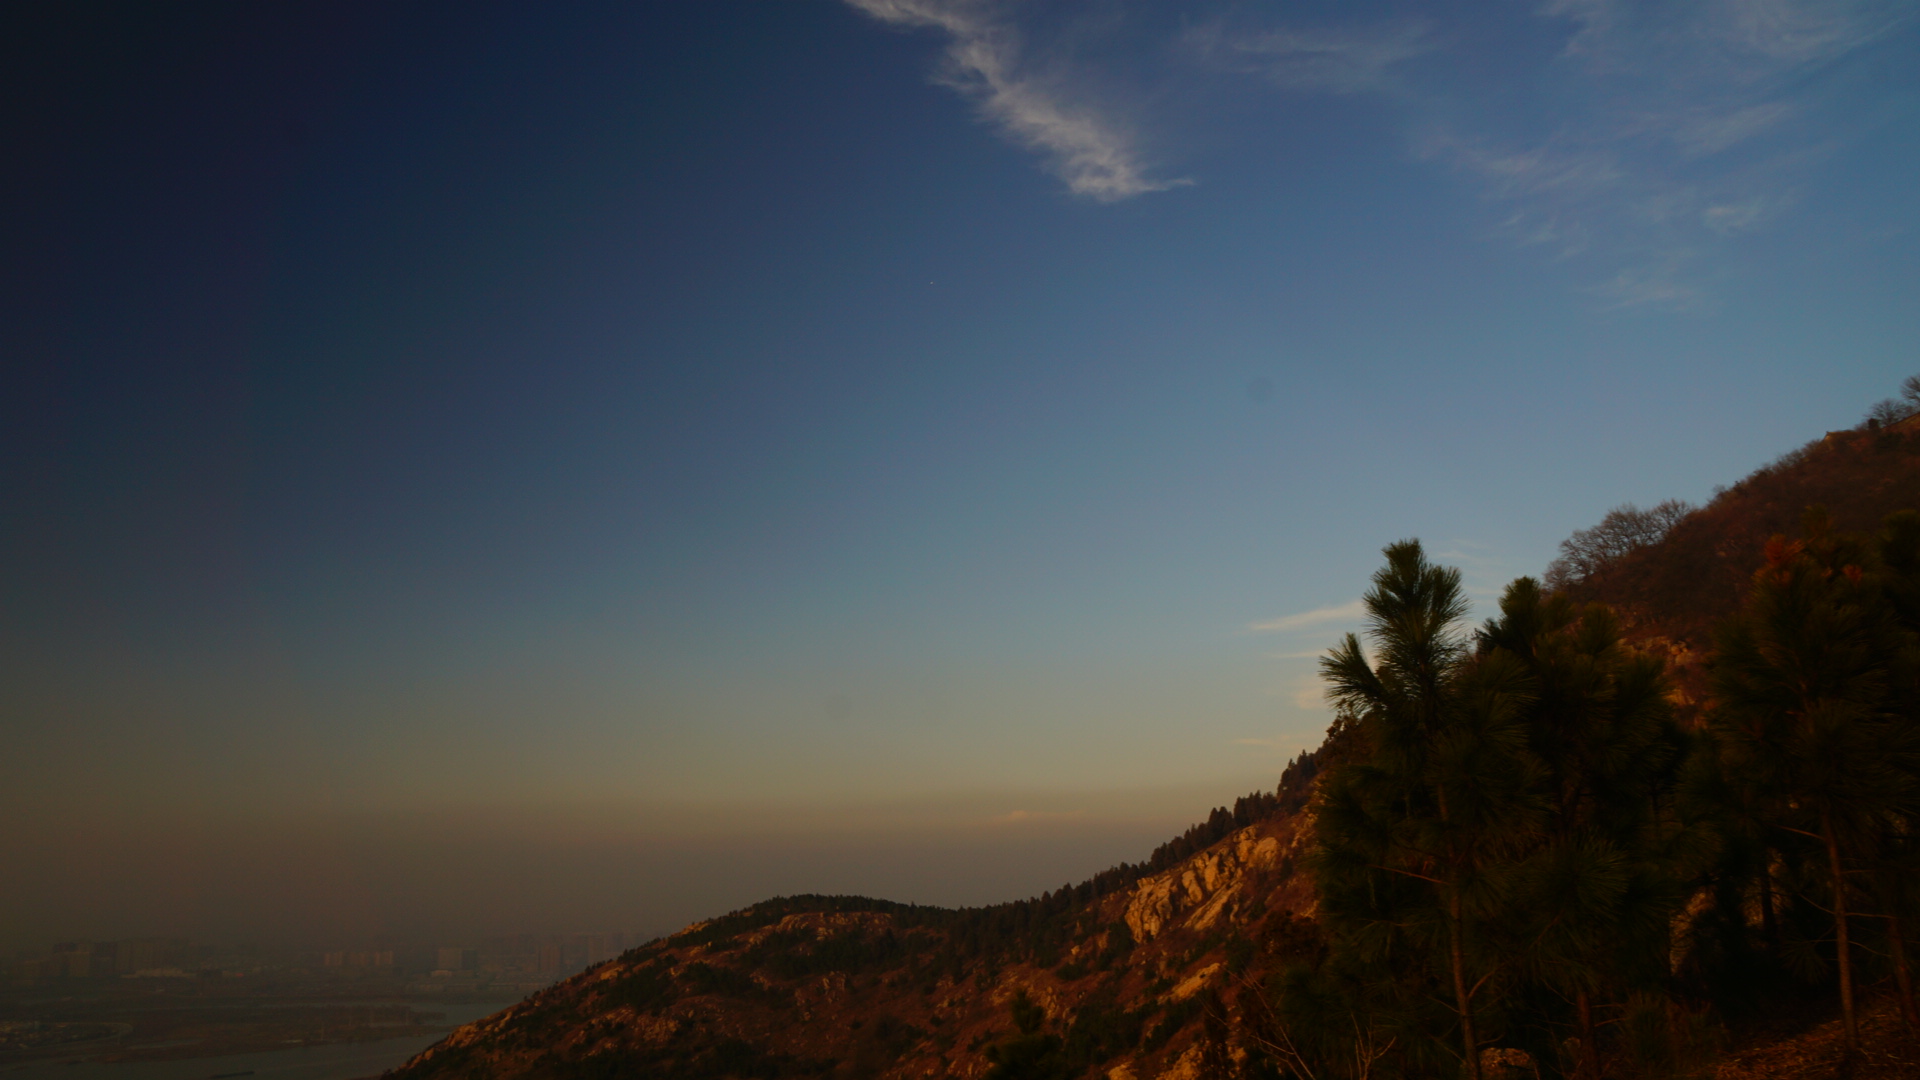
[[1084, 144], [1350, 611]]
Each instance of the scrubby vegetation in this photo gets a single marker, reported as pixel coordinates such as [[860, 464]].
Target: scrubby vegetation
[[1035, 929], [1531, 853], [1662, 800], [1694, 575]]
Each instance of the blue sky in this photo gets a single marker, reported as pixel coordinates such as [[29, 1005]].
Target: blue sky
[[917, 446]]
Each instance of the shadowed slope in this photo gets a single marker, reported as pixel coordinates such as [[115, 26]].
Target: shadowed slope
[[1122, 968]]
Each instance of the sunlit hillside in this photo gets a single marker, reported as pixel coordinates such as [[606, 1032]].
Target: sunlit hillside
[[1646, 902]]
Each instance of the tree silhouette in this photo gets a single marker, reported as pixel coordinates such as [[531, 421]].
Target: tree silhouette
[[1625, 530], [1417, 840], [1603, 881], [1806, 680]]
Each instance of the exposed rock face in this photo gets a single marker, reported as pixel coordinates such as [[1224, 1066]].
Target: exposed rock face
[[893, 991], [1207, 887], [1195, 982], [1497, 1063], [1185, 1067]]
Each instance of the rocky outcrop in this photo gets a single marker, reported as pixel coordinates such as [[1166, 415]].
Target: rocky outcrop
[[1195, 983], [1210, 889], [1185, 1067], [822, 986]]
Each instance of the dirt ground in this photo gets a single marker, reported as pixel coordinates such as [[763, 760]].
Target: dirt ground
[[1889, 1051]]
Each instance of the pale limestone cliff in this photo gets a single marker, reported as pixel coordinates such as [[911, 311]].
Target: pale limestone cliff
[[1202, 890]]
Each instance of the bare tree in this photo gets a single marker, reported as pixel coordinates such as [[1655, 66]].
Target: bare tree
[[1624, 530], [1891, 411], [1895, 409]]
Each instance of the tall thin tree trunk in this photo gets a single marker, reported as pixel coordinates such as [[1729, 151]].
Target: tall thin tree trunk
[[1847, 1021], [1902, 976], [1589, 1053], [1457, 952], [1467, 1034], [1767, 924]]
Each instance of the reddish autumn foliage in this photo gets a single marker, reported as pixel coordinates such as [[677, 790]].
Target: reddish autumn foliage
[[1682, 585]]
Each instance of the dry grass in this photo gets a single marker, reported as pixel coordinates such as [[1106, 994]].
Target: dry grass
[[1681, 587], [1889, 1051]]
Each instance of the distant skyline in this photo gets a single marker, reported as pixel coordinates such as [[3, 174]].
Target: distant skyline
[[508, 469]]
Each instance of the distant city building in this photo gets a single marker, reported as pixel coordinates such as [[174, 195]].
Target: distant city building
[[100, 960], [457, 958], [147, 954], [33, 971], [343, 959], [76, 960]]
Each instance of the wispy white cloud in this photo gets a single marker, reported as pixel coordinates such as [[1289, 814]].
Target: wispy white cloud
[[1340, 60], [1037, 105], [1732, 218], [1797, 32], [1656, 283], [1743, 32], [1710, 108], [1681, 128], [1711, 131], [1652, 137], [1347, 612], [1564, 173]]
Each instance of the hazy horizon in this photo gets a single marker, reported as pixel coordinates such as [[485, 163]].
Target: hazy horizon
[[524, 470], [460, 873]]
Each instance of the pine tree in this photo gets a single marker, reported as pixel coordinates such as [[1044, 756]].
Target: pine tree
[[1032, 1053], [1604, 880], [1418, 839], [1808, 711], [1899, 579]]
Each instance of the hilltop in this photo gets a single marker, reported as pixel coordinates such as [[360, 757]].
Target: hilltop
[[1120, 969], [1682, 583], [1165, 970]]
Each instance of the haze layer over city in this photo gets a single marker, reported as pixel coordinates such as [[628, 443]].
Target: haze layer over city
[[489, 473]]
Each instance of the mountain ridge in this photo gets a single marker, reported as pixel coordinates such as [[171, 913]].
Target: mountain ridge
[[805, 986], [1142, 972]]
